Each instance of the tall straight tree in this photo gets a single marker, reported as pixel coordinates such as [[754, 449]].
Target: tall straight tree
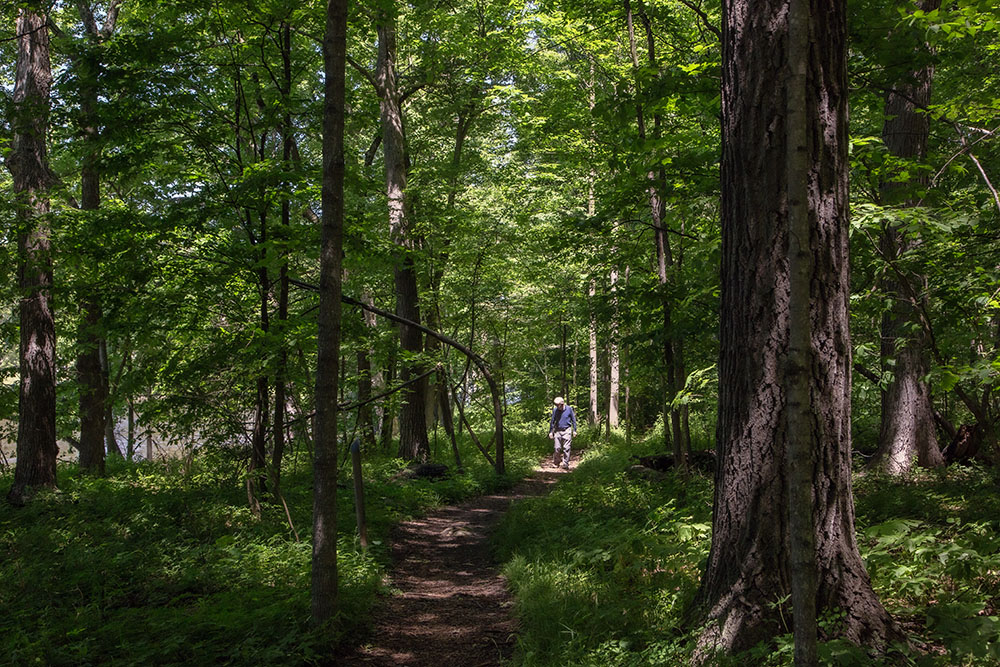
[[413, 443], [907, 431], [672, 421], [324, 553], [29, 166], [748, 566], [92, 373], [800, 444]]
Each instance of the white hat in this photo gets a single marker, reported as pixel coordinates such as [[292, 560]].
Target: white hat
[[558, 400]]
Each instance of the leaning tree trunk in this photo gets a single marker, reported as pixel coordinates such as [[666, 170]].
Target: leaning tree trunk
[[413, 444], [907, 426], [29, 167], [748, 565], [324, 553]]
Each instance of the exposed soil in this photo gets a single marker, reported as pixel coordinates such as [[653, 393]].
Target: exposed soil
[[450, 606]]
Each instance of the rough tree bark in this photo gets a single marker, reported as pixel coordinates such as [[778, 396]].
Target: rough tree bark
[[907, 426], [324, 553], [413, 443], [29, 167], [748, 565]]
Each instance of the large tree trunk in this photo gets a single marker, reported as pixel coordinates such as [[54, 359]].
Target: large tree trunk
[[29, 167], [413, 444], [907, 429], [748, 566], [324, 553]]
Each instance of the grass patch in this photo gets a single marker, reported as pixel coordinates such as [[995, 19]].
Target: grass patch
[[603, 567], [158, 564]]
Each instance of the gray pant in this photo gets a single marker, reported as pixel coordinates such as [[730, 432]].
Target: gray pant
[[562, 446]]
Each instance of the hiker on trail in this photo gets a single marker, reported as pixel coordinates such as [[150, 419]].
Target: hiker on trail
[[562, 428]]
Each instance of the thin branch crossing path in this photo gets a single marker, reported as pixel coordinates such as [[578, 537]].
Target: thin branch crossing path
[[450, 606]]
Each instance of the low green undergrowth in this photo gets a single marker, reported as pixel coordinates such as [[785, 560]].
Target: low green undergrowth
[[603, 567], [165, 564], [932, 546]]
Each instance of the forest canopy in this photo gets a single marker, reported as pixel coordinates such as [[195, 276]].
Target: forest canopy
[[535, 199]]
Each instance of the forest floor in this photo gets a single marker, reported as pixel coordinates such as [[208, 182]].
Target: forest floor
[[449, 605]]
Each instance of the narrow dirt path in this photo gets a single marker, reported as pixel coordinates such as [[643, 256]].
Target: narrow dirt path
[[450, 607]]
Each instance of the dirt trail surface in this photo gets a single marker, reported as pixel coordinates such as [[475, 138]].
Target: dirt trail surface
[[450, 606]]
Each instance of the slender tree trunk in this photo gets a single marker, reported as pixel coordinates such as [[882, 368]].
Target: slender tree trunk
[[438, 395], [748, 565], [907, 427], [388, 420], [664, 258], [413, 444], [96, 419], [110, 391], [130, 444], [29, 167], [258, 445], [800, 446], [564, 385], [281, 363], [324, 555], [592, 292], [366, 417], [592, 416], [93, 390], [614, 371], [90, 370]]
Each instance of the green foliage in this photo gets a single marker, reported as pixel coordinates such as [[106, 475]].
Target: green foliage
[[932, 548], [603, 566], [165, 564]]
